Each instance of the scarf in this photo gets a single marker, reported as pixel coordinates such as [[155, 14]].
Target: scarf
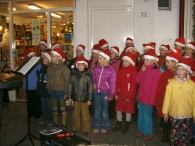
[[112, 61]]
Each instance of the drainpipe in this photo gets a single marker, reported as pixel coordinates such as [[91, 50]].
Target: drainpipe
[[181, 18]]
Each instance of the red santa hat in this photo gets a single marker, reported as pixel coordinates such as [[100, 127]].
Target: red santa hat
[[47, 54], [129, 40], [180, 42], [175, 54], [186, 63], [29, 53], [115, 49], [147, 46], [151, 54], [103, 43], [59, 52], [129, 48], [81, 59], [55, 45], [96, 48], [130, 57], [191, 45], [44, 42], [153, 44], [106, 54], [166, 47], [81, 48]]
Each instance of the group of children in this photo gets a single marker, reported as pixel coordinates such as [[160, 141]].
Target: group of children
[[165, 82]]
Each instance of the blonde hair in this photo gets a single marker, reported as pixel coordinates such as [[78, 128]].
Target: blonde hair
[[104, 59]]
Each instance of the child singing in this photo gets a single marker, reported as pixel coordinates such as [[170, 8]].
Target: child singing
[[104, 78], [179, 103], [57, 83], [125, 91], [147, 79]]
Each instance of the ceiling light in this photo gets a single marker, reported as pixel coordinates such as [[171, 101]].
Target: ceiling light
[[34, 7], [55, 15], [14, 9]]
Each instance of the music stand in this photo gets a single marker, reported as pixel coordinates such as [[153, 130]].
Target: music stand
[[26, 66]]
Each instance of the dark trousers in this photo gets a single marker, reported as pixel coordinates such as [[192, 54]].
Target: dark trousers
[[34, 107]]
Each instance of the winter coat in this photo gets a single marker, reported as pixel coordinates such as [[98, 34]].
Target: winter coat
[[104, 77], [57, 77], [161, 88], [80, 86], [179, 99], [126, 89], [42, 81], [148, 81]]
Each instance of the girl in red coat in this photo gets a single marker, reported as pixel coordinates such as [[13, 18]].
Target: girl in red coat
[[125, 91], [172, 59]]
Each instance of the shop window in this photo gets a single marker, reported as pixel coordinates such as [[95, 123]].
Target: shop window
[[164, 4]]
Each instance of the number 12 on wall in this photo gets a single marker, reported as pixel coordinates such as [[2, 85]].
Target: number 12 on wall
[[143, 14]]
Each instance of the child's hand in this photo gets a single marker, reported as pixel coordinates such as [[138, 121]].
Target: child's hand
[[166, 117], [144, 67], [88, 102], [109, 99], [69, 101], [94, 86], [127, 100], [65, 96], [116, 97]]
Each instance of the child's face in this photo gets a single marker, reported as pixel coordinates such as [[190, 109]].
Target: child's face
[[45, 60], [102, 61], [170, 64], [131, 51], [176, 46], [81, 66], [105, 48], [113, 54], [181, 72], [94, 55], [129, 44], [78, 53], [126, 63], [42, 47], [188, 51], [55, 59], [149, 62], [163, 52]]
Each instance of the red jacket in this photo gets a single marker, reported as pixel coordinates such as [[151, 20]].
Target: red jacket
[[161, 88], [126, 82], [161, 60]]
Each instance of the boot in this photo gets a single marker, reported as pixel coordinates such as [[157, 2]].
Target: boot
[[55, 119], [64, 122], [118, 126], [126, 127]]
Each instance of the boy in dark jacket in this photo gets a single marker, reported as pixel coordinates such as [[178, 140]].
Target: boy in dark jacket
[[46, 106], [80, 90]]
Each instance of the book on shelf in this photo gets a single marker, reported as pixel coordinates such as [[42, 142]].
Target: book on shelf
[[51, 130], [26, 65]]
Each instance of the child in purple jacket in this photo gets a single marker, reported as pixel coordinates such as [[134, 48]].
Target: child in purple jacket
[[147, 79], [104, 78]]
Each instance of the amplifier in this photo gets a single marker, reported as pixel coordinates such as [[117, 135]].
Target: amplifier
[[53, 140]]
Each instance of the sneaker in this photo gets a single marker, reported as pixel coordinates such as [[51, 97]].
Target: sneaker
[[149, 137], [103, 131], [95, 131], [42, 122], [50, 123], [140, 134]]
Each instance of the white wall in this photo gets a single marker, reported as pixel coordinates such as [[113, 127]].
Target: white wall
[[160, 26], [81, 25]]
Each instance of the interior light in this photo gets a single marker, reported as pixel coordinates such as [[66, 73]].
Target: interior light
[[33, 7], [1, 27], [14, 9]]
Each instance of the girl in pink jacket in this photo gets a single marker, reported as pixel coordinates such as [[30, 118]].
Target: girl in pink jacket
[[147, 79]]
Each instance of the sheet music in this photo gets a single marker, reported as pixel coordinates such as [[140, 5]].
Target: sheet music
[[28, 65]]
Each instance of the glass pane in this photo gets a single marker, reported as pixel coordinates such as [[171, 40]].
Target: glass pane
[[163, 3]]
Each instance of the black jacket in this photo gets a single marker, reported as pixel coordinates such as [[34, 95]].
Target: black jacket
[[80, 86], [42, 81]]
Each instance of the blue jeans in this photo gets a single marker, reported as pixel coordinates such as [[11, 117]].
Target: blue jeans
[[145, 119], [101, 118], [46, 108]]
